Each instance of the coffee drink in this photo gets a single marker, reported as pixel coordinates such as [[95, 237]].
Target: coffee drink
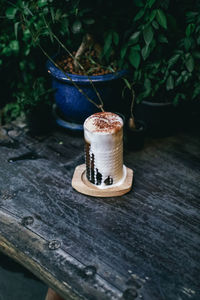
[[103, 133]]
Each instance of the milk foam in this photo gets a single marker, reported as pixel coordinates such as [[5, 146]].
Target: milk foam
[[103, 122], [104, 134]]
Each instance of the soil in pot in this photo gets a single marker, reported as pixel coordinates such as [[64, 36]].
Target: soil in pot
[[89, 61]]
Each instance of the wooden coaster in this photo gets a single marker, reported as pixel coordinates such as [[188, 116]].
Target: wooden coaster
[[81, 184]]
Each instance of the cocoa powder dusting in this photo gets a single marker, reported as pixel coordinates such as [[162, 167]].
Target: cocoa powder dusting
[[106, 122]]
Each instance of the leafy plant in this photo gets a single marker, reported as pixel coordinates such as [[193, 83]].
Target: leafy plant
[[10, 112], [158, 41], [28, 100], [163, 48]]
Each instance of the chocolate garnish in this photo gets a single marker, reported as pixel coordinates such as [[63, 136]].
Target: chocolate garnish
[[98, 177], [108, 181]]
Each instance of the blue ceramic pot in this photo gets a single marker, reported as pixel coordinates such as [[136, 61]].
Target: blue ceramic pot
[[74, 105]]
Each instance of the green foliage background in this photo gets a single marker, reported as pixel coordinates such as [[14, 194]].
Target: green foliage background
[[159, 41]]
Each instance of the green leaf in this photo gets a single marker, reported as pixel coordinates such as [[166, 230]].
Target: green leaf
[[152, 15], [177, 97], [196, 91], [115, 38], [148, 34], [175, 73], [108, 42], [6, 51], [52, 14], [147, 84], [42, 3], [76, 27], [123, 52], [155, 24], [16, 25], [134, 37], [190, 29], [89, 21], [170, 83], [187, 43], [14, 45], [161, 18], [127, 83], [191, 15], [57, 15], [136, 47], [162, 39], [65, 26], [145, 52], [190, 63], [134, 58], [173, 60], [165, 72], [26, 35], [150, 3], [139, 15], [185, 78], [157, 64], [138, 3], [179, 80], [11, 12], [183, 73], [196, 54], [27, 51]]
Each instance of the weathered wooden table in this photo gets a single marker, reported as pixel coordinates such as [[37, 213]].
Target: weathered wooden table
[[143, 245]]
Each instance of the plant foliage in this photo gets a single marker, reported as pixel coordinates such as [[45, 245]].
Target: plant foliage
[[158, 41]]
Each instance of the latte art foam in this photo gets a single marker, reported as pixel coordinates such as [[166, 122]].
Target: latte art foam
[[103, 134]]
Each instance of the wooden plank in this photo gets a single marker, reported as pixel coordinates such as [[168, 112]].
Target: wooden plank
[[32, 244], [37, 254], [142, 243]]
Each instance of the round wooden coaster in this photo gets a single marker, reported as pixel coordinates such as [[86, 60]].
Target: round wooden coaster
[[82, 185]]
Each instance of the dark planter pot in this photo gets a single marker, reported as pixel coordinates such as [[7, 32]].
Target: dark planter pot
[[189, 115], [135, 137], [73, 105], [39, 120], [160, 118]]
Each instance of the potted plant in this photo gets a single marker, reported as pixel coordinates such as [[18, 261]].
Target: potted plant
[[35, 105], [79, 94], [166, 40], [145, 37], [88, 79], [74, 22]]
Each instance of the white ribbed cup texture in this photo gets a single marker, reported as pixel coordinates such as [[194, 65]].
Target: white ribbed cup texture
[[104, 149]]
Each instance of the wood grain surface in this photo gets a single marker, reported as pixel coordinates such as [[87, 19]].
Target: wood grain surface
[[143, 245]]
